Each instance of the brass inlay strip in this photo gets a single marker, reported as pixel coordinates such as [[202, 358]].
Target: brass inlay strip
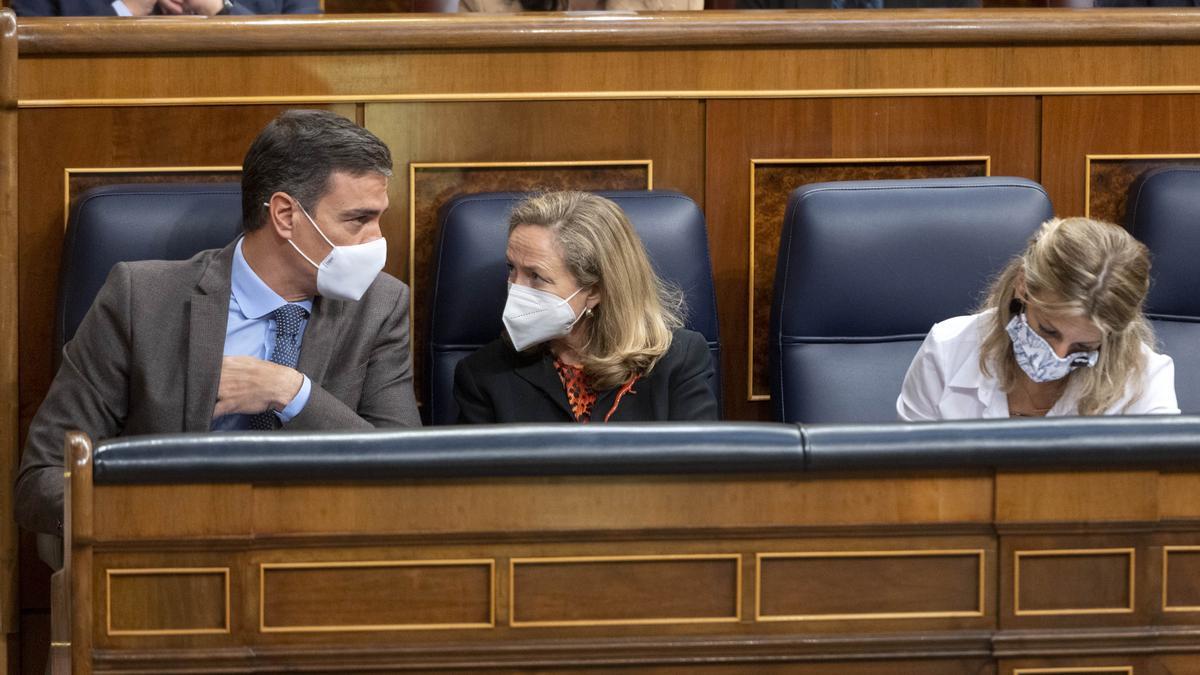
[[513, 562], [163, 571], [1127, 669], [1166, 569], [652, 94], [1059, 553], [476, 562], [754, 164], [414, 167], [944, 553], [1087, 178], [69, 171]]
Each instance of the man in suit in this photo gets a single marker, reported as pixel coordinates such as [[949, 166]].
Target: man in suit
[[292, 326], [162, 7]]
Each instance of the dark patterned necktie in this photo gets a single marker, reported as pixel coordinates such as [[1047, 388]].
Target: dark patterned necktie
[[286, 353]]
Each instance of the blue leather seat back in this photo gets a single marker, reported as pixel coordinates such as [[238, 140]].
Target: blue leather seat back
[[865, 268], [469, 288], [1163, 211], [121, 223]]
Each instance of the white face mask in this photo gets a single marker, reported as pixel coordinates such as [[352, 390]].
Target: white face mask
[[1038, 359], [533, 317], [347, 272]]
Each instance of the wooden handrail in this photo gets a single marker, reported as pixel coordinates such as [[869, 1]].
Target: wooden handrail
[[599, 30]]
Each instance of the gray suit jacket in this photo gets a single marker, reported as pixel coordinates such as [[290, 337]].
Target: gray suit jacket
[[147, 359]]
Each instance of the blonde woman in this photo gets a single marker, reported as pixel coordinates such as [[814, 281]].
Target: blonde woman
[[1061, 333], [591, 333]]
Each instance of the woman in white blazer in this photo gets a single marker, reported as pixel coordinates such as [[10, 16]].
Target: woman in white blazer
[[1061, 333]]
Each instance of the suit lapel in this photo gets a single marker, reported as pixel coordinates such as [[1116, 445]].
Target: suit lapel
[[207, 319], [537, 369], [320, 335]]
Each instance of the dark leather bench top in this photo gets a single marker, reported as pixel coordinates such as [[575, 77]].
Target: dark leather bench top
[[662, 449]]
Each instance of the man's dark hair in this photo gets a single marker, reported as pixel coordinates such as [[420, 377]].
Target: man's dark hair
[[297, 152]]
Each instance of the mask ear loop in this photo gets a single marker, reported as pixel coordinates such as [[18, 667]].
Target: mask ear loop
[[315, 227]]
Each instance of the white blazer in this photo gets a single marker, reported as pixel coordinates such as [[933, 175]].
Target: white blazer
[[944, 381]]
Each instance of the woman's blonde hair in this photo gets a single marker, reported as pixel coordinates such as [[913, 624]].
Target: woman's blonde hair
[[631, 327], [1081, 267]]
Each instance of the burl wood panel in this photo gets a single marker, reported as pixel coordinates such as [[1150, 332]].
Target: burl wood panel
[[1182, 579], [1074, 127], [738, 131], [1109, 180], [773, 183], [376, 596], [1074, 583], [624, 591], [876, 586], [167, 601], [431, 186]]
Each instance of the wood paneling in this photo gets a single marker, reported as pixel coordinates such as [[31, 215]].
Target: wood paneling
[[909, 585], [1024, 497], [556, 30], [1181, 579], [607, 591], [1074, 581], [377, 595], [739, 132], [167, 601], [1110, 177], [1074, 127], [9, 334]]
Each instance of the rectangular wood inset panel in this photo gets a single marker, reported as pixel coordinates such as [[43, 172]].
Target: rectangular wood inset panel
[[182, 601], [596, 591], [772, 181], [1181, 578], [1084, 581], [870, 585], [376, 595], [1109, 178]]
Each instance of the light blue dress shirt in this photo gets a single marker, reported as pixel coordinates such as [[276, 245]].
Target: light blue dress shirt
[[250, 331]]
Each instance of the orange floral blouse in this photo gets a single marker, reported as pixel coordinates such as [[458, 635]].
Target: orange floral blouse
[[580, 394]]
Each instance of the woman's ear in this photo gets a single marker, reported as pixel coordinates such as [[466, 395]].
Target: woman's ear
[[594, 297]]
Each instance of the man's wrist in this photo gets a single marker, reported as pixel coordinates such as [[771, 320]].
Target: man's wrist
[[297, 402]]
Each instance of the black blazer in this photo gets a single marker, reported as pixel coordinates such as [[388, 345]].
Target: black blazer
[[499, 384], [105, 8]]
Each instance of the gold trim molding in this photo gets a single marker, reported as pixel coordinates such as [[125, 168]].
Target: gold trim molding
[[1166, 571], [1087, 174], [163, 571], [470, 562], [917, 553], [834, 161], [653, 94], [68, 172], [736, 558], [414, 167], [1126, 669], [1062, 553]]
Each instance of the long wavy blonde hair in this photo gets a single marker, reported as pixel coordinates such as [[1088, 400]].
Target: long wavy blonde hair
[[1080, 267], [631, 327]]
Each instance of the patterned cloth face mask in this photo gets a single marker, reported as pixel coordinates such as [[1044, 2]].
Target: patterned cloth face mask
[[1038, 359]]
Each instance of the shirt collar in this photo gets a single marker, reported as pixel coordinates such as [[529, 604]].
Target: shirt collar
[[253, 296]]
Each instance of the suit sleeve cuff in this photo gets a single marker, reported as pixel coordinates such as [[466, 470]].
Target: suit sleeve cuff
[[120, 8], [298, 402]]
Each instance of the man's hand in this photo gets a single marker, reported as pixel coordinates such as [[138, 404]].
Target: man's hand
[[140, 7], [204, 7], [249, 386]]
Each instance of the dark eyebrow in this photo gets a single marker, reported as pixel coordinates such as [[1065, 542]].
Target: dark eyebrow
[[355, 214]]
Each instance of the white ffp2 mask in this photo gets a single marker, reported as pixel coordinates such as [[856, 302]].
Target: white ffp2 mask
[[347, 272], [532, 317]]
